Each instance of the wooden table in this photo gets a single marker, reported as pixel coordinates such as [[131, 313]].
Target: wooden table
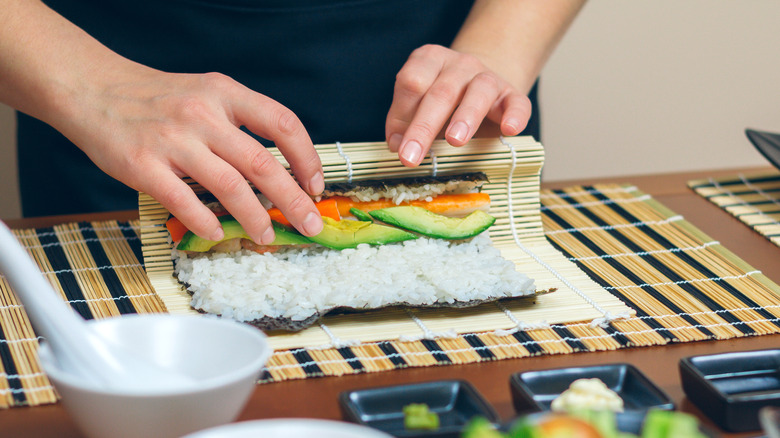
[[317, 398]]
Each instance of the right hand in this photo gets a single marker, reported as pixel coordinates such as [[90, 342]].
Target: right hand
[[148, 129]]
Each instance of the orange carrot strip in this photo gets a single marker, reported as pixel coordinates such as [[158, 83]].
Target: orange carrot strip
[[456, 204], [176, 228], [326, 207]]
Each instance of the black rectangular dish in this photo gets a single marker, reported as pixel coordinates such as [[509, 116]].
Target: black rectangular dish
[[455, 402], [535, 390], [730, 388]]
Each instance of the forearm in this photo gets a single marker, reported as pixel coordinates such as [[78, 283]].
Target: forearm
[[515, 38], [47, 64]]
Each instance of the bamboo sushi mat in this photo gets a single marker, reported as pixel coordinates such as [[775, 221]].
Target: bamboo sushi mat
[[683, 286], [753, 199]]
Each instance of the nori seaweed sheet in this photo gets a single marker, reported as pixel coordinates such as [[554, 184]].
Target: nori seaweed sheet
[[288, 324], [337, 188], [416, 181]]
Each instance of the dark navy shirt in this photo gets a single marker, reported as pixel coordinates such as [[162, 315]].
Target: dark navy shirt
[[333, 62]]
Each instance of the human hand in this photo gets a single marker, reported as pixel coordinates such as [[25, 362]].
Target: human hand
[[149, 128], [437, 84]]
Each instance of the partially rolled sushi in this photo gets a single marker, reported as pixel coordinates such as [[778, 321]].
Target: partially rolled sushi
[[415, 242]]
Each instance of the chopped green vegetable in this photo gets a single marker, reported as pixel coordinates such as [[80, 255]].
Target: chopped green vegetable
[[417, 416], [663, 424], [480, 427]]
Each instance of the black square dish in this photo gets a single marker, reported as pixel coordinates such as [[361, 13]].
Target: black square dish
[[455, 401], [730, 388], [535, 390]]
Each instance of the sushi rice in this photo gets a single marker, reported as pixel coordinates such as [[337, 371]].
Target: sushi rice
[[297, 283]]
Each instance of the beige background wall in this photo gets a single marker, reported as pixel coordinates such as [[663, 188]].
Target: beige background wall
[[640, 86]]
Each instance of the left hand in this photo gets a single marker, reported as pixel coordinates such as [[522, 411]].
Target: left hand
[[437, 84]]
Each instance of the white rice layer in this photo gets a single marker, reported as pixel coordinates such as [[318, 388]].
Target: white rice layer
[[298, 283]]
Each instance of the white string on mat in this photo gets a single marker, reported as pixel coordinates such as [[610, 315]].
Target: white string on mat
[[644, 253], [519, 325], [20, 341], [615, 227], [434, 163], [80, 229], [25, 390], [675, 283], [758, 190], [346, 160], [427, 333], [80, 241], [335, 341], [595, 203], [90, 300], [608, 316]]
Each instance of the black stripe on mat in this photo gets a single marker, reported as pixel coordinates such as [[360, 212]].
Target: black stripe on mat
[[133, 241], [115, 288], [391, 353], [647, 318], [14, 383], [351, 359], [436, 351], [479, 346], [52, 247], [631, 276], [266, 376], [529, 343], [569, 337], [307, 363], [619, 337], [692, 262]]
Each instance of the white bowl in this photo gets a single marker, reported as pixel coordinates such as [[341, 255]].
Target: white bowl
[[290, 428], [225, 358]]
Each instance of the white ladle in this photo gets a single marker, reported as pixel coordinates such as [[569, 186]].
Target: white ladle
[[79, 349]]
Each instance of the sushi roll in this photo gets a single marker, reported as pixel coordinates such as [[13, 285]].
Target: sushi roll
[[414, 242]]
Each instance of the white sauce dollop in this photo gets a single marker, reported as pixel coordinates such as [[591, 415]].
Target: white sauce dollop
[[588, 394]]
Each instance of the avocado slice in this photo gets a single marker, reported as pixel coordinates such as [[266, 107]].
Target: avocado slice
[[422, 221], [361, 215], [284, 236], [349, 234]]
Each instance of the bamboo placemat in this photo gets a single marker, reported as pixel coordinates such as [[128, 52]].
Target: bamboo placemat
[[682, 285], [513, 166], [753, 199]]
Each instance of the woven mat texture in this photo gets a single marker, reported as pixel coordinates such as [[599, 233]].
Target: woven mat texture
[[753, 199], [683, 286]]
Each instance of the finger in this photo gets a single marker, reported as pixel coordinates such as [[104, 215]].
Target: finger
[[176, 196], [433, 112], [512, 113], [412, 82], [480, 96], [231, 189], [257, 164], [270, 119]]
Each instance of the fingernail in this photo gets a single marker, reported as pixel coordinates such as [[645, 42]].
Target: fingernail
[[268, 236], [312, 225], [513, 125], [395, 142], [459, 131], [317, 184], [217, 235], [412, 152]]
